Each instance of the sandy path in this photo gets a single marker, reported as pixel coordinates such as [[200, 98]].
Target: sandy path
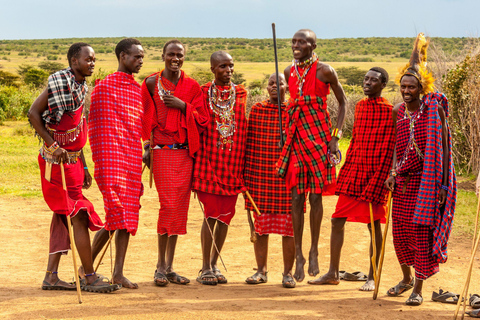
[[24, 242]]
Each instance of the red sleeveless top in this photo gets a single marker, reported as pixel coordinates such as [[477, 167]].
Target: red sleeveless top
[[312, 85]]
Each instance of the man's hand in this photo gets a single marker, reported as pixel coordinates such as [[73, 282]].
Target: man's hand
[[333, 145], [390, 183], [442, 197], [174, 102], [146, 158], [60, 155], [87, 179]]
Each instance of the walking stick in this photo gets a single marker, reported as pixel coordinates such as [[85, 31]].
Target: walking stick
[[278, 85], [253, 202], [253, 235], [72, 243], [382, 252], [469, 274], [150, 181], [374, 244], [105, 250]]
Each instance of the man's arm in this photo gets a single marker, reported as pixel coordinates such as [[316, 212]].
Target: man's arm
[[442, 196], [390, 182], [286, 73]]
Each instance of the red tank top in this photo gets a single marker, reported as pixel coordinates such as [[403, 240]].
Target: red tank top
[[312, 85]]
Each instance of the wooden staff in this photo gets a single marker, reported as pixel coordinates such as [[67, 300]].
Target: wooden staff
[[374, 244], [104, 251], [72, 242], [252, 202], [382, 252], [278, 85], [150, 181], [464, 292], [253, 235]]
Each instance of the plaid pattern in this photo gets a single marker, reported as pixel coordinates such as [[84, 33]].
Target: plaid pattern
[[311, 86], [172, 170], [266, 188], [220, 171], [369, 155], [413, 243], [64, 95], [170, 125], [115, 128], [308, 132], [427, 210], [273, 224]]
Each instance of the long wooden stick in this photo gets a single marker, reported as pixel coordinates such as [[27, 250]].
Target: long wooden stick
[[382, 252], [253, 235], [252, 202], [464, 292], [374, 244], [150, 181], [278, 85], [72, 240], [104, 251]]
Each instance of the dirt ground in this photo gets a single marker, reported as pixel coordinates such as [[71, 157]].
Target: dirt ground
[[24, 242]]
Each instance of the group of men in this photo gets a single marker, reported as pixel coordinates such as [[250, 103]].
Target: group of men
[[198, 138]]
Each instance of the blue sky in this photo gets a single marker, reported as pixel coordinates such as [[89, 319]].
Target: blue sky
[[34, 19]]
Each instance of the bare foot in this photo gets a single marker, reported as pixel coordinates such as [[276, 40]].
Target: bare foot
[[368, 286], [325, 279], [81, 272], [313, 264], [125, 283], [299, 274]]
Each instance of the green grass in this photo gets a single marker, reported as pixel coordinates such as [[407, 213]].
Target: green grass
[[465, 211]]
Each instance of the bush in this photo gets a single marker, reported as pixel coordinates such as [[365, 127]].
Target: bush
[[351, 75], [9, 79], [36, 77], [52, 57], [50, 66], [15, 102], [202, 75]]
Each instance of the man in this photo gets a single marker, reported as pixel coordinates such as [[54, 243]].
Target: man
[[219, 165], [303, 162], [361, 178], [58, 118], [422, 177], [268, 190], [177, 115], [115, 128]]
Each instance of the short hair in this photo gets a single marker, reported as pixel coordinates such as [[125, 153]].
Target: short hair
[[125, 45], [74, 51], [217, 55], [173, 41], [383, 72], [310, 33]]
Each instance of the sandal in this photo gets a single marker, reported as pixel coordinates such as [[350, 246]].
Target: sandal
[[220, 277], [400, 288], [257, 278], [414, 300], [174, 277], [354, 276], [160, 279], [474, 313], [445, 297], [287, 281], [474, 301], [207, 277], [56, 286], [104, 287]]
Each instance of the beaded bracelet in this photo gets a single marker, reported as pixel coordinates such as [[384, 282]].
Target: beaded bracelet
[[445, 187], [146, 144], [393, 172], [53, 147], [85, 168], [337, 133]]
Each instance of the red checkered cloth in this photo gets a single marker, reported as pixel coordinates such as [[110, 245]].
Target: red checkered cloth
[[172, 171], [311, 86], [220, 171], [358, 211], [170, 125], [369, 155], [115, 128]]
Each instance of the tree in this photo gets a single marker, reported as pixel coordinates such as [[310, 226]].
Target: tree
[[351, 75], [238, 78], [36, 77], [51, 66], [9, 79]]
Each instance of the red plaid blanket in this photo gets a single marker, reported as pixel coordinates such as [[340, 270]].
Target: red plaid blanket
[[115, 128], [220, 171], [369, 155], [266, 188], [172, 122]]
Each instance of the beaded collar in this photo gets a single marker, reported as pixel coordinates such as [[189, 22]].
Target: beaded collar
[[222, 103], [306, 65]]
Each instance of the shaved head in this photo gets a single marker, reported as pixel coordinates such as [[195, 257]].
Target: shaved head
[[281, 77], [219, 56], [309, 34]]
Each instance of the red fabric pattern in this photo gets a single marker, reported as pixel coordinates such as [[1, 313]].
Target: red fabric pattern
[[172, 171], [369, 155], [115, 128], [358, 211], [69, 121], [170, 125], [311, 86], [218, 207], [220, 171]]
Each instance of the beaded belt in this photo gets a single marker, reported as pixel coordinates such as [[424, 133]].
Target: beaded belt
[[72, 156], [175, 146]]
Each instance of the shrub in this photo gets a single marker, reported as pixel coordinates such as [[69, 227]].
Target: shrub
[[15, 102], [50, 66], [9, 79], [202, 75], [36, 77]]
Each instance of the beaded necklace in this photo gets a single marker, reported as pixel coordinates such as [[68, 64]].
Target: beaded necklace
[[306, 65], [222, 102], [162, 91], [412, 144]]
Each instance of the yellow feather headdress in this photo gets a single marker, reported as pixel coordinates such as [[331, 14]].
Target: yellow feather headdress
[[417, 66]]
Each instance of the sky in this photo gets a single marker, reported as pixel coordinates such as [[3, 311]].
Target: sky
[[46, 19]]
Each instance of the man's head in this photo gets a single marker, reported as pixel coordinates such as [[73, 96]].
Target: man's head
[[130, 55], [304, 41], [81, 58], [273, 90], [221, 64], [173, 55], [374, 82], [410, 89]]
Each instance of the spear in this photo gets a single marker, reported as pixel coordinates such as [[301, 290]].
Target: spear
[[278, 86]]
